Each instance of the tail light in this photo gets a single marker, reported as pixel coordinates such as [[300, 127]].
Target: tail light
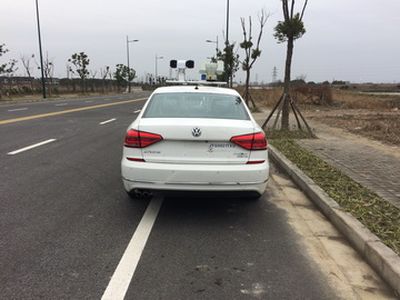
[[141, 139], [252, 141]]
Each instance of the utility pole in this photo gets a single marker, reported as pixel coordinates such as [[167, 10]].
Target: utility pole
[[156, 63], [40, 51]]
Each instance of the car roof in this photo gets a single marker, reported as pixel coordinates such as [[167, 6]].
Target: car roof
[[195, 89]]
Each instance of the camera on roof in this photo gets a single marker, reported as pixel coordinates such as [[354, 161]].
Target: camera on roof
[[181, 64]]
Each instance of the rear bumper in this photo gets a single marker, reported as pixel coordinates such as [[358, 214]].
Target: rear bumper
[[175, 177]]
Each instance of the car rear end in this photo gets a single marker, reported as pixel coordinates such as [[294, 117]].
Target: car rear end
[[190, 139]]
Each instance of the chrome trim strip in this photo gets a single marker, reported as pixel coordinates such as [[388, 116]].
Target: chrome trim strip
[[197, 183]]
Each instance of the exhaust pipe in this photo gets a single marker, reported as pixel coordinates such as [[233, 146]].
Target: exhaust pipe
[[143, 194]]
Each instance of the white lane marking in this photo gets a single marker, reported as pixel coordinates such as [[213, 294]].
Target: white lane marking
[[108, 121], [119, 283], [18, 109], [137, 111], [61, 104], [31, 147]]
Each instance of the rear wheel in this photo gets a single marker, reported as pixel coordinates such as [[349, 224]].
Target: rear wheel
[[253, 197]]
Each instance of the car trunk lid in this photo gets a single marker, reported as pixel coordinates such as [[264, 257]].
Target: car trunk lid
[[196, 141]]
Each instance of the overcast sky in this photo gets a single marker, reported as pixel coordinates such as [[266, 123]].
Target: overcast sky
[[354, 40]]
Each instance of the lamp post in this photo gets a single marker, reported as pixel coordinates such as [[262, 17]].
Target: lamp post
[[227, 37], [40, 51], [156, 63], [127, 58], [214, 42], [227, 23]]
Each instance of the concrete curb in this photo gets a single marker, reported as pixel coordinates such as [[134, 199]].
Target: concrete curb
[[383, 259]]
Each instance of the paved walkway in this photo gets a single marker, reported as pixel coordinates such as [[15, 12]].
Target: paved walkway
[[370, 163]]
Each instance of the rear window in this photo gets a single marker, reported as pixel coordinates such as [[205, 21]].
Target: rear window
[[196, 105]]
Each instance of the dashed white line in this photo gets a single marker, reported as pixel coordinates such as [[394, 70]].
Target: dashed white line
[[137, 111], [119, 283], [18, 109], [108, 121], [61, 104], [31, 147]]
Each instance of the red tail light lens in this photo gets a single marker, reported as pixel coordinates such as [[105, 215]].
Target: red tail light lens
[[252, 141], [141, 139]]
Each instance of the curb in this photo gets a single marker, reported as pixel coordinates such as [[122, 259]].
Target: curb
[[380, 257]]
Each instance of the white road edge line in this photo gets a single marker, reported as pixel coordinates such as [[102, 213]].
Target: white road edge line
[[31, 147], [119, 283], [108, 121], [137, 111], [17, 109]]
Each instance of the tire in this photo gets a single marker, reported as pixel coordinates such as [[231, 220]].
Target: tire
[[253, 197]]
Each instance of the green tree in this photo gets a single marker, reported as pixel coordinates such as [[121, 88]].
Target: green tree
[[287, 31], [123, 74], [6, 68], [231, 63], [81, 62], [251, 52]]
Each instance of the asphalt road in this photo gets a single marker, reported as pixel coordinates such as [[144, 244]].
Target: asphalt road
[[65, 222]]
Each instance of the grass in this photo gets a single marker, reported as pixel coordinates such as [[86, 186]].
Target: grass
[[378, 215], [273, 134]]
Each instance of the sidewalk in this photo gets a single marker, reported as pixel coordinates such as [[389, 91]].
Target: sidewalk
[[370, 163]]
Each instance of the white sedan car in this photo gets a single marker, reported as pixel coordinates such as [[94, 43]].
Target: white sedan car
[[195, 138]]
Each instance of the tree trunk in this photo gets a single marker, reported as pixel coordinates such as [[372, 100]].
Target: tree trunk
[[246, 91], [286, 88]]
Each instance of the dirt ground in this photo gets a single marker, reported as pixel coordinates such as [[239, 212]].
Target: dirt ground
[[382, 126], [373, 116]]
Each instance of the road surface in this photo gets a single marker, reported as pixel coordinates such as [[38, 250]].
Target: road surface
[[69, 231]]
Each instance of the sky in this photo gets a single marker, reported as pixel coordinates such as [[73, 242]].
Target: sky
[[357, 40]]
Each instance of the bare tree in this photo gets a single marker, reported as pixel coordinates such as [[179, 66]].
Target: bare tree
[[287, 31], [48, 67], [48, 70], [251, 52], [93, 77], [26, 62], [104, 72]]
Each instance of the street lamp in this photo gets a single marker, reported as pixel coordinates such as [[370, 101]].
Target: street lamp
[[156, 63], [227, 23], [227, 36], [40, 50], [214, 42], [127, 56]]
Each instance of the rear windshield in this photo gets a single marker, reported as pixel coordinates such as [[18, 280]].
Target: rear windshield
[[196, 105]]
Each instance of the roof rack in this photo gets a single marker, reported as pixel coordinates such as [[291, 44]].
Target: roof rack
[[196, 82]]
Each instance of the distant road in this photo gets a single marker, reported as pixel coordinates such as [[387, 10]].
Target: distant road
[[15, 110]]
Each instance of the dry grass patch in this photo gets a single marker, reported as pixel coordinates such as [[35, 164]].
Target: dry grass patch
[[356, 100]]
